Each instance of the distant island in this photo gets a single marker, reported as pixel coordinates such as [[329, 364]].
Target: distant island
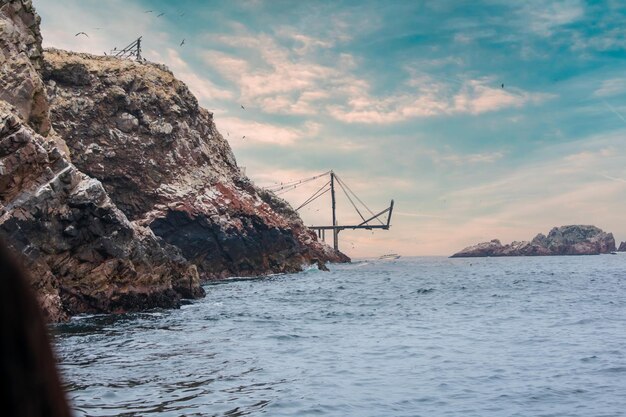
[[564, 240]]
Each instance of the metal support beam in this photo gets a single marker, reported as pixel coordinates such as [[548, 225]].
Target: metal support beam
[[390, 211], [352, 227], [335, 230], [378, 215], [329, 186]]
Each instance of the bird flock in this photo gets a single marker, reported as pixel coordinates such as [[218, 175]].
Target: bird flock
[[180, 13]]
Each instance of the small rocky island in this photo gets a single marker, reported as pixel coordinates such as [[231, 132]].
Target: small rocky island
[[564, 240]]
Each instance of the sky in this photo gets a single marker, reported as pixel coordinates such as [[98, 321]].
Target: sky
[[481, 119]]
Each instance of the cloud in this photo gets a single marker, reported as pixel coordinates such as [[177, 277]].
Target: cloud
[[202, 88], [611, 87], [433, 98], [234, 129], [281, 82], [544, 19], [479, 96], [106, 26], [465, 159]]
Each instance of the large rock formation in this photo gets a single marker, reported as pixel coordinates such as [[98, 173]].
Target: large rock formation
[[622, 247], [139, 130], [83, 254], [148, 167], [20, 59], [564, 240]]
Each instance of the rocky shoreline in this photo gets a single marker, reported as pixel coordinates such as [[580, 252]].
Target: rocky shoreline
[[117, 190], [564, 240]]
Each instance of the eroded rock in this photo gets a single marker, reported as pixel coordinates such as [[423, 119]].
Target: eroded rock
[[165, 165], [82, 252], [564, 240]]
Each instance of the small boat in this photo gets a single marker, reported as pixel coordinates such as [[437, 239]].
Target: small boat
[[389, 256]]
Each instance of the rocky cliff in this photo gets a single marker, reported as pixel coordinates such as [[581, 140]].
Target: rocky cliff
[[564, 240], [140, 131], [21, 56], [146, 195], [83, 253]]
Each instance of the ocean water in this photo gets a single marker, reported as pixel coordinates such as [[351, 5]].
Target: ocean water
[[410, 337]]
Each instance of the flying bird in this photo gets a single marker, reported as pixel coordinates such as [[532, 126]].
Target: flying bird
[[148, 11], [243, 137], [182, 43], [159, 15], [242, 107], [81, 33], [502, 85]]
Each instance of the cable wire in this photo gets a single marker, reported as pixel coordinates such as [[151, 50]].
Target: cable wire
[[357, 197], [349, 199], [314, 196]]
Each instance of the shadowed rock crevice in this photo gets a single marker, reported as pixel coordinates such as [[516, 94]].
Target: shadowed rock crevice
[[239, 252]]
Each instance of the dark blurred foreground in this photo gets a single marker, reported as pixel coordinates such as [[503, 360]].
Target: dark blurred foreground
[[30, 380]]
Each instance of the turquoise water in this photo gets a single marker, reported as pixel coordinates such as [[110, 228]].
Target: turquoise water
[[411, 337]]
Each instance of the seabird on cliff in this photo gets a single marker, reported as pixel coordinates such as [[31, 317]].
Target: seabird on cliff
[[81, 33]]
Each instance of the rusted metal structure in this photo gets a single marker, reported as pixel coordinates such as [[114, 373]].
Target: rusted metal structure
[[375, 221], [132, 51]]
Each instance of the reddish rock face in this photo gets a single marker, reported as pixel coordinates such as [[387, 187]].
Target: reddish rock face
[[564, 240], [140, 131]]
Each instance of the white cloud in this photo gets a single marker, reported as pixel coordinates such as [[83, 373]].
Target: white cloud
[[433, 98], [545, 18], [281, 83], [280, 80], [611, 87], [464, 159], [202, 88], [234, 129]]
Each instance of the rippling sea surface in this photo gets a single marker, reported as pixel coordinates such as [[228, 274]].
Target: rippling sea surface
[[411, 337]]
